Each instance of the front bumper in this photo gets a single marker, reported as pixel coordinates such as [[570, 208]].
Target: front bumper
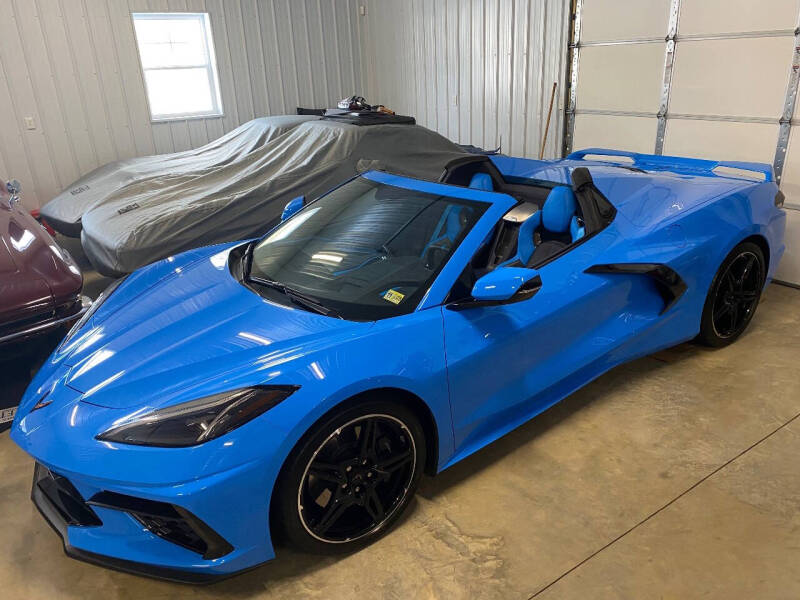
[[73, 516], [61, 506], [225, 483], [61, 316]]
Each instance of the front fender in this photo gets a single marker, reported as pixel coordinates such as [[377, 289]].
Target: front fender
[[414, 362]]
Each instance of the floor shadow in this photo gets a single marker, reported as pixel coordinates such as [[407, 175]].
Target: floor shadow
[[288, 564], [19, 362], [562, 411]]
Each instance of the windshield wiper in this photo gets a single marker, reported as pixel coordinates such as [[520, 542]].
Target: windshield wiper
[[295, 296], [298, 298], [246, 260]]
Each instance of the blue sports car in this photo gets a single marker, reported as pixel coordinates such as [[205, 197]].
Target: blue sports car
[[298, 385]]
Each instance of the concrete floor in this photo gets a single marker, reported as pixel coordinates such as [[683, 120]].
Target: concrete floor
[[675, 476]]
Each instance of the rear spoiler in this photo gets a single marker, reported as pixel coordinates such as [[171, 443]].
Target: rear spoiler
[[684, 166]]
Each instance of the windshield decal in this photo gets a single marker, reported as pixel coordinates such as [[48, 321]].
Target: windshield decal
[[394, 296]]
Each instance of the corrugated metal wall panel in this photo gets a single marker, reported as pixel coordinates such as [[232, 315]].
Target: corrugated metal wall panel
[[73, 66], [23, 99], [114, 100], [475, 71]]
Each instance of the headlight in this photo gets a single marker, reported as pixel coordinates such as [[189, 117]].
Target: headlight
[[198, 421], [92, 309]]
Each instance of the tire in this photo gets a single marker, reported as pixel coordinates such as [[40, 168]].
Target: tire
[[350, 478], [733, 296]]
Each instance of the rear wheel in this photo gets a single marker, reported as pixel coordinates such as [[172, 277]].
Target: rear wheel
[[733, 296], [351, 478]]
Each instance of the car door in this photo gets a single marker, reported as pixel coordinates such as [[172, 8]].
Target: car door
[[508, 362]]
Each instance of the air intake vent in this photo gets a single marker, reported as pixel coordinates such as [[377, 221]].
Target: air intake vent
[[169, 522]]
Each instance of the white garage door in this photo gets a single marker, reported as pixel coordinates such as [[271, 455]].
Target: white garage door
[[705, 78]]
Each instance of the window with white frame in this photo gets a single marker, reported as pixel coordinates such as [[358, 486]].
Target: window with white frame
[[180, 69]]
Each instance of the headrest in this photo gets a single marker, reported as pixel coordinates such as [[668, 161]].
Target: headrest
[[456, 221], [558, 210], [481, 181]]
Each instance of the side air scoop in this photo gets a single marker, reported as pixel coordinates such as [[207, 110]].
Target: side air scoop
[[668, 282]]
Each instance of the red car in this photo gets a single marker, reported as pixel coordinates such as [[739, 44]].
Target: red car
[[40, 284]]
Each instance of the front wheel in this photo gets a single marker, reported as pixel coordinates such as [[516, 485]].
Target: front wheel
[[351, 478], [733, 296]]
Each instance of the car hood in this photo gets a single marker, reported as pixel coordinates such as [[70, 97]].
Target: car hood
[[7, 264], [195, 326], [42, 267]]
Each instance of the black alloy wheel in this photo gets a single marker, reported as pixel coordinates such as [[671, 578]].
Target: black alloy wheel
[[734, 295], [352, 479]]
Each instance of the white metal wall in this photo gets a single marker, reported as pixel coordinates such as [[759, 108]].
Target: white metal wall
[[73, 66], [476, 71]]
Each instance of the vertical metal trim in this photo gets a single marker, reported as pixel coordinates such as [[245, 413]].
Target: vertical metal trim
[[572, 97], [340, 92], [669, 63], [358, 88], [788, 110]]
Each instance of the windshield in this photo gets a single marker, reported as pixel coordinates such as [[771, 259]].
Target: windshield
[[364, 251]]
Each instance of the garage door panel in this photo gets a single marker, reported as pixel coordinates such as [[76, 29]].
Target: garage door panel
[[611, 131], [731, 77], [621, 78], [607, 20], [721, 140], [736, 16]]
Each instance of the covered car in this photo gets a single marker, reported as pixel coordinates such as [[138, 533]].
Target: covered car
[[153, 218], [64, 212]]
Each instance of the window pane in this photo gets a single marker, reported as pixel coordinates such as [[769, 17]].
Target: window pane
[[171, 42], [177, 56], [179, 92]]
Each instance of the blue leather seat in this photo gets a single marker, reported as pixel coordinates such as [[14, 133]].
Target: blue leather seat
[[557, 224], [481, 181], [448, 228], [558, 213], [525, 239], [558, 209]]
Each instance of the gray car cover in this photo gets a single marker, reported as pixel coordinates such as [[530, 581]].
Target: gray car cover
[[64, 212], [160, 216]]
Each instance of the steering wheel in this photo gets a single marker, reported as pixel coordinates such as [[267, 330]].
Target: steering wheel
[[436, 252]]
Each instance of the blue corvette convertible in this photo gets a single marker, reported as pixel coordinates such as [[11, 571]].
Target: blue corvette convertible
[[299, 385]]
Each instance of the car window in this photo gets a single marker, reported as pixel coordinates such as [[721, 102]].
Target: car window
[[367, 250]]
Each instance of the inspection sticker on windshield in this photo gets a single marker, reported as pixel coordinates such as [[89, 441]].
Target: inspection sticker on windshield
[[394, 297]]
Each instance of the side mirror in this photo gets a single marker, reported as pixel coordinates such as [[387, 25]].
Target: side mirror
[[506, 284], [292, 207]]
